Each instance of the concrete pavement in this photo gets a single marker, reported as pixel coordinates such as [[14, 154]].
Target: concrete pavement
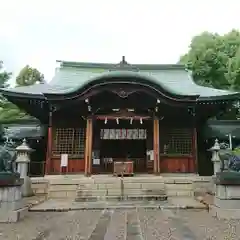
[[121, 224]]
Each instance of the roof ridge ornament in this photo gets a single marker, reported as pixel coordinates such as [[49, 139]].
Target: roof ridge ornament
[[124, 66], [123, 60]]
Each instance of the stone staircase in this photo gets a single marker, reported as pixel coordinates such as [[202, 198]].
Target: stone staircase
[[81, 188], [121, 189], [179, 187]]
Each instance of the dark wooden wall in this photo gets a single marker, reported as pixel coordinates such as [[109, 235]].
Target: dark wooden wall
[[70, 119], [182, 159], [169, 163]]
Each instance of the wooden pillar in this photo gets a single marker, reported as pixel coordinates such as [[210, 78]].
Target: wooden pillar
[[158, 147], [156, 165], [88, 148], [194, 145], [49, 145], [195, 151], [149, 144]]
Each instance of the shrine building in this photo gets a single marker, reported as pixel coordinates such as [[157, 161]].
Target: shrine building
[[98, 114]]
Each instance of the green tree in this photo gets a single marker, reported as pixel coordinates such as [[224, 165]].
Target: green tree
[[29, 76], [4, 77], [215, 60], [8, 111]]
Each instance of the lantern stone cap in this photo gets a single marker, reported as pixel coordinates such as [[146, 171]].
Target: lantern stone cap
[[24, 147], [216, 146]]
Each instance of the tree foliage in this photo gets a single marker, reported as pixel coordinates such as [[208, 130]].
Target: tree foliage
[[4, 76], [215, 60], [29, 76], [8, 111]]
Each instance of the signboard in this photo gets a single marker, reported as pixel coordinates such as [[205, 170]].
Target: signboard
[[150, 154], [96, 161], [64, 160], [112, 134], [96, 157], [117, 134], [135, 134], [123, 134], [106, 133], [142, 134]]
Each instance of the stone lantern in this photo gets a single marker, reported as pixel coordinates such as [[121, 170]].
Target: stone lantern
[[22, 161], [217, 165]]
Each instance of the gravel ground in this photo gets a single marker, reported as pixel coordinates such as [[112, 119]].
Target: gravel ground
[[119, 224]]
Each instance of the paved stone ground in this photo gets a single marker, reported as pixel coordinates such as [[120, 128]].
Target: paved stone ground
[[131, 224], [65, 205]]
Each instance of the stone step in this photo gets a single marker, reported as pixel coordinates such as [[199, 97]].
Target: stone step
[[116, 192], [117, 189], [121, 198], [160, 186], [182, 186], [180, 193], [179, 189], [91, 192], [111, 187], [117, 180], [133, 192]]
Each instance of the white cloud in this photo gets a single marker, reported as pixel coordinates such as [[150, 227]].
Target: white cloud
[[39, 32]]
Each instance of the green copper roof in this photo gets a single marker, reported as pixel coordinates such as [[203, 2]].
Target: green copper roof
[[72, 76]]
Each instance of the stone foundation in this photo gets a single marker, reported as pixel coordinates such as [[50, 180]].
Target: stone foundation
[[226, 202], [12, 207], [70, 187]]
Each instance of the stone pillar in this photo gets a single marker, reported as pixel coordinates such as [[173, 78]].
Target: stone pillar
[[215, 157], [12, 206], [23, 161], [226, 204]]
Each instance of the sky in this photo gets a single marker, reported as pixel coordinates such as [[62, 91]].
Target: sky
[[40, 32]]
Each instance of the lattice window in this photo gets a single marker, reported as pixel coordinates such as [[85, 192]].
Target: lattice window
[[176, 141], [70, 141]]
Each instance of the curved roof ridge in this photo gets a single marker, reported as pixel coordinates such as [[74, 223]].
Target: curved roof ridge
[[177, 81], [150, 76], [111, 65]]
